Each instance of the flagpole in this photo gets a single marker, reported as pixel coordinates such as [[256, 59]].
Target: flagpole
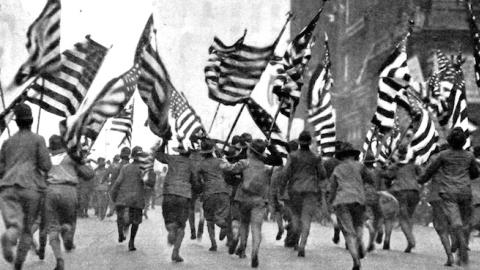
[[374, 133], [275, 119], [214, 117], [40, 105], [290, 119], [233, 126], [4, 108]]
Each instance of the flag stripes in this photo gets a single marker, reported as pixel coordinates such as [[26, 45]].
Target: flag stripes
[[393, 76], [43, 44], [424, 141], [289, 70], [63, 91], [123, 123], [320, 113], [154, 83], [187, 122], [232, 72], [109, 103]]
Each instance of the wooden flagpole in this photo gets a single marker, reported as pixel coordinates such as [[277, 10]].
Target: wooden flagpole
[[275, 119], [234, 124], [214, 117], [40, 105], [4, 108]]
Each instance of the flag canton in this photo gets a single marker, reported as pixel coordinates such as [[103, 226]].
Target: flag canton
[[130, 79], [179, 105]]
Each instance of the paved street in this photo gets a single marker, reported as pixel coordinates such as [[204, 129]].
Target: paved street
[[97, 248]]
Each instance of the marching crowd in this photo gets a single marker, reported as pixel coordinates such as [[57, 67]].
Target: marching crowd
[[44, 188]]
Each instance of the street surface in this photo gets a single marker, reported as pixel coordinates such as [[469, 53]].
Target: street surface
[[97, 249]]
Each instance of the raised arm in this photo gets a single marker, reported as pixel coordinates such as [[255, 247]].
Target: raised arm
[[431, 170]]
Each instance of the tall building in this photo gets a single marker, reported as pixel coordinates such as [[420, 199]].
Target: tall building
[[364, 32]]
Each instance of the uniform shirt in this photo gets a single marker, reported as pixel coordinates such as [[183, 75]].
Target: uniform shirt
[[67, 171], [128, 189], [304, 171], [23, 158], [211, 172], [405, 176], [454, 169], [255, 181], [114, 170], [101, 179], [180, 175], [348, 180]]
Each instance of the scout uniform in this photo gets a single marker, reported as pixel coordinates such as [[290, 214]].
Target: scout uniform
[[23, 159], [348, 199], [303, 173], [177, 195], [61, 197], [454, 169]]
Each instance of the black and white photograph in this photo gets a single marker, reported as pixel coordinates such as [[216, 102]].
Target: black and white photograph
[[239, 134]]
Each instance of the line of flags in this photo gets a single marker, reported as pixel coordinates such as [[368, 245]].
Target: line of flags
[[232, 72]]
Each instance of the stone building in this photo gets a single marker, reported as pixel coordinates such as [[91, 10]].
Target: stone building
[[363, 33]]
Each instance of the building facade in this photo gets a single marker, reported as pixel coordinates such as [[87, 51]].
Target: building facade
[[362, 35]]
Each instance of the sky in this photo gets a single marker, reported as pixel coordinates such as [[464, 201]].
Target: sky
[[185, 30]]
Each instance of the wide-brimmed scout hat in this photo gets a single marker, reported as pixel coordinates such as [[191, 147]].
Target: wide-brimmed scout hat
[[305, 138], [239, 142], [346, 149], [136, 151], [207, 146], [55, 144], [232, 152], [258, 147], [125, 152], [180, 149]]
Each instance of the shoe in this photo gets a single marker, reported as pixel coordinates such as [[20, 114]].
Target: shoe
[[336, 239], [7, 246], [371, 248], [386, 246], [356, 267], [241, 253], [233, 246], [18, 266], [379, 237], [41, 253], [223, 234], [301, 252], [60, 264], [193, 235], [176, 258], [361, 252], [409, 248], [255, 261], [213, 248], [279, 235], [131, 246], [121, 238]]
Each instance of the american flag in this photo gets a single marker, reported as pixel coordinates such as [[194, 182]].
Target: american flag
[[232, 72], [440, 84], [394, 76], [321, 114], [371, 142], [63, 91], [457, 115], [154, 83], [289, 70], [475, 34], [123, 123], [424, 140], [187, 122], [264, 122], [109, 103], [43, 44]]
